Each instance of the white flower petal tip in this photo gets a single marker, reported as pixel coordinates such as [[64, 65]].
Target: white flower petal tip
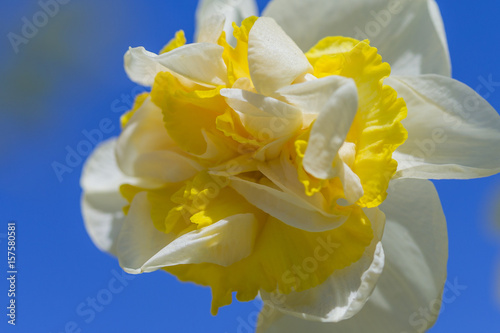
[[141, 67], [201, 63], [214, 16], [274, 59], [408, 34], [143, 248], [452, 131]]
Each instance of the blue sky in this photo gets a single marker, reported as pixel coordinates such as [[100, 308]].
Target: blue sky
[[69, 79]]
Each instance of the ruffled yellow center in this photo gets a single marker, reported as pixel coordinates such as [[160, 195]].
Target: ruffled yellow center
[[201, 123], [377, 130]]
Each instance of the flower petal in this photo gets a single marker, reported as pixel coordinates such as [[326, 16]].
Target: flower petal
[[452, 131], [274, 59], [103, 217], [143, 248], [286, 207], [144, 148], [165, 166], [345, 292], [330, 129], [408, 34], [202, 63], [213, 16], [266, 118], [101, 201], [416, 250], [350, 181]]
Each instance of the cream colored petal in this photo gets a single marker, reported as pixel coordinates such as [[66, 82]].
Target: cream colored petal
[[143, 248], [210, 28], [452, 131], [103, 218], [201, 63], [408, 293], [165, 166], [213, 16], [283, 174], [351, 183], [311, 96], [286, 207], [145, 150], [345, 292], [274, 59], [409, 34], [266, 118], [258, 105], [330, 129], [101, 200]]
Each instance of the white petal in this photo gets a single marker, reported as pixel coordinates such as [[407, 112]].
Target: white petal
[[345, 292], [202, 63], [312, 95], [266, 118], [330, 129], [282, 173], [258, 105], [416, 250], [286, 207], [274, 59], [100, 172], [351, 183], [452, 131], [165, 166], [209, 27], [101, 200], [143, 248], [103, 217], [145, 150], [272, 150], [213, 16], [408, 34]]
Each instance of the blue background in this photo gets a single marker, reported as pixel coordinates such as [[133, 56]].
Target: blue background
[[70, 76]]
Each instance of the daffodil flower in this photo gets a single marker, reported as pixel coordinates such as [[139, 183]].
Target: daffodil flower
[[287, 157]]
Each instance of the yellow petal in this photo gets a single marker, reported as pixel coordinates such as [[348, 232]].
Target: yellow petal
[[187, 113], [236, 58], [177, 41]]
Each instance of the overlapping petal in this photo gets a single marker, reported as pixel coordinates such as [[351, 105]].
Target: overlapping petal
[[409, 34], [416, 251], [274, 59], [452, 131], [215, 16], [201, 63], [345, 292], [101, 202], [143, 248], [144, 148]]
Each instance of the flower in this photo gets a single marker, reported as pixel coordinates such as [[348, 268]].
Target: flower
[[291, 163]]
